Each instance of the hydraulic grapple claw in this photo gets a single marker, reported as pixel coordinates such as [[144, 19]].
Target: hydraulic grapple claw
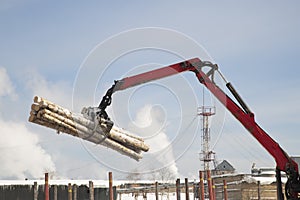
[[95, 114]]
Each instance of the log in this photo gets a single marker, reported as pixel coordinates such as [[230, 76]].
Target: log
[[117, 134], [35, 107], [95, 138], [35, 120], [58, 123], [43, 103], [48, 114], [55, 108], [124, 132], [128, 141], [137, 145]]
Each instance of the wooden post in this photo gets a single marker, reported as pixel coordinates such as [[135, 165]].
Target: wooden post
[[201, 189], [209, 183], [55, 192], [156, 190], [178, 189], [46, 187], [187, 196], [225, 190], [74, 192], [111, 194], [194, 191], [69, 191], [258, 190], [213, 189], [35, 191], [91, 188]]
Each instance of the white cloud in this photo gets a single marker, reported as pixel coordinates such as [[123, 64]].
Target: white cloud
[[6, 86], [21, 155], [60, 91]]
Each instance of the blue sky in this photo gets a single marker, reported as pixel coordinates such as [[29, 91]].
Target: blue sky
[[43, 45]]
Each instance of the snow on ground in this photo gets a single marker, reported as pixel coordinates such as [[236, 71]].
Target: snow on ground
[[151, 196]]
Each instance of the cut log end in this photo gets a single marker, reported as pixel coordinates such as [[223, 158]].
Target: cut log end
[[37, 99], [31, 118], [35, 107]]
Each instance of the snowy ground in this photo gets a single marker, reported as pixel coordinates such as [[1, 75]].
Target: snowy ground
[[151, 196]]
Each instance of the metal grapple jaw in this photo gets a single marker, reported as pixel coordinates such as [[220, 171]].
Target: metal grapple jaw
[[100, 118]]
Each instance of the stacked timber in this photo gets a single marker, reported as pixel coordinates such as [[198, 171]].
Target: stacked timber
[[51, 115]]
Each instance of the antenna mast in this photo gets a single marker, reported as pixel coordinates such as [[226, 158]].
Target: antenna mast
[[206, 155]]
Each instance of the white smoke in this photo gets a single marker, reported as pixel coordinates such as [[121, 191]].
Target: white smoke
[[150, 123], [21, 156], [6, 86]]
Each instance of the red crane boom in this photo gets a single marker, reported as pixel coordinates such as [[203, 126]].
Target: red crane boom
[[239, 110]]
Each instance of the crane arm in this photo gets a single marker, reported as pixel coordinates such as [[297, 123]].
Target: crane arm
[[155, 74], [240, 111], [243, 113]]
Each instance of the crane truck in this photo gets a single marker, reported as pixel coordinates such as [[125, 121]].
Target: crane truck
[[238, 108]]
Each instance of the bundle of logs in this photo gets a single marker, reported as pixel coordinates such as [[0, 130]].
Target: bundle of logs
[[51, 115]]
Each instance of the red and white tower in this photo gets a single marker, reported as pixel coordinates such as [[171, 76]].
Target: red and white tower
[[207, 155]]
